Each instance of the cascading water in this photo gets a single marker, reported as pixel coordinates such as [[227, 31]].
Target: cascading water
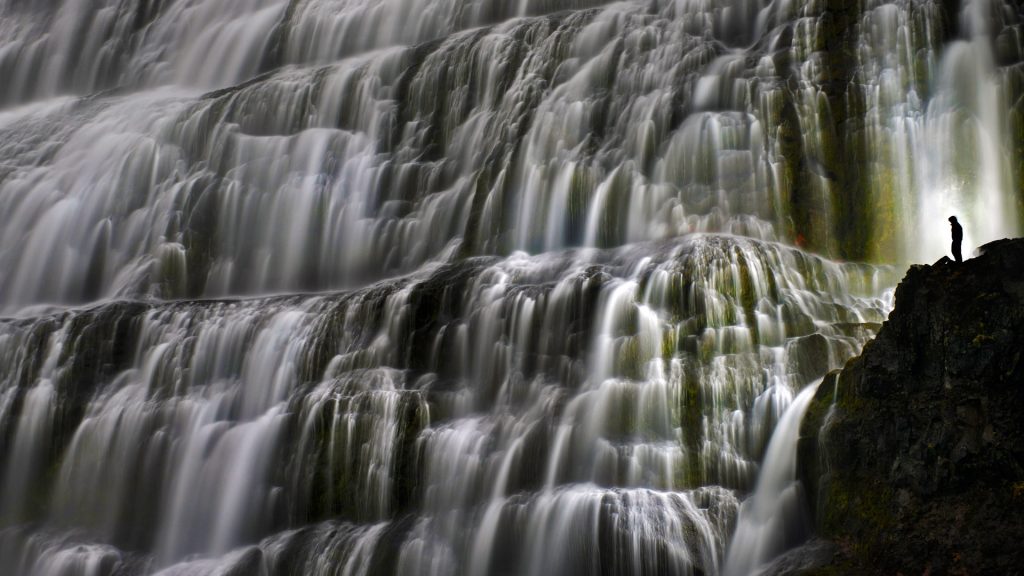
[[448, 287]]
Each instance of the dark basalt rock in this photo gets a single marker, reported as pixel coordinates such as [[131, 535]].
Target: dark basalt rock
[[913, 454], [816, 554]]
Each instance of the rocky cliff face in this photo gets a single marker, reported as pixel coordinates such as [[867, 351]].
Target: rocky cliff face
[[913, 454]]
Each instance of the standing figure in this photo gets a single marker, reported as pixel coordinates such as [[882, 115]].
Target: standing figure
[[958, 236]]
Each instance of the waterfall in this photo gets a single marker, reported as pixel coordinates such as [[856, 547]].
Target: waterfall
[[775, 516], [459, 287]]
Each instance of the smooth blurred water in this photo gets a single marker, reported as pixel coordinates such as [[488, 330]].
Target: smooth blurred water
[[460, 287]]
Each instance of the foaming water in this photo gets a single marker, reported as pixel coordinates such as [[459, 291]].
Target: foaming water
[[775, 517], [558, 406], [597, 127]]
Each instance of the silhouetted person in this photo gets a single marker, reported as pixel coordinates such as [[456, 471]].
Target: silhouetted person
[[958, 237]]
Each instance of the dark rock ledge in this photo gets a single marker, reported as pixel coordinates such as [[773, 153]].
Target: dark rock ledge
[[913, 454]]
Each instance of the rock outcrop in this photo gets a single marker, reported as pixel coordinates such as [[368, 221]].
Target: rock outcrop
[[913, 454]]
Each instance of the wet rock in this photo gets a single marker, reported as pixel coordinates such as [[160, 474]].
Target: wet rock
[[809, 357], [248, 562], [807, 559], [913, 455]]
